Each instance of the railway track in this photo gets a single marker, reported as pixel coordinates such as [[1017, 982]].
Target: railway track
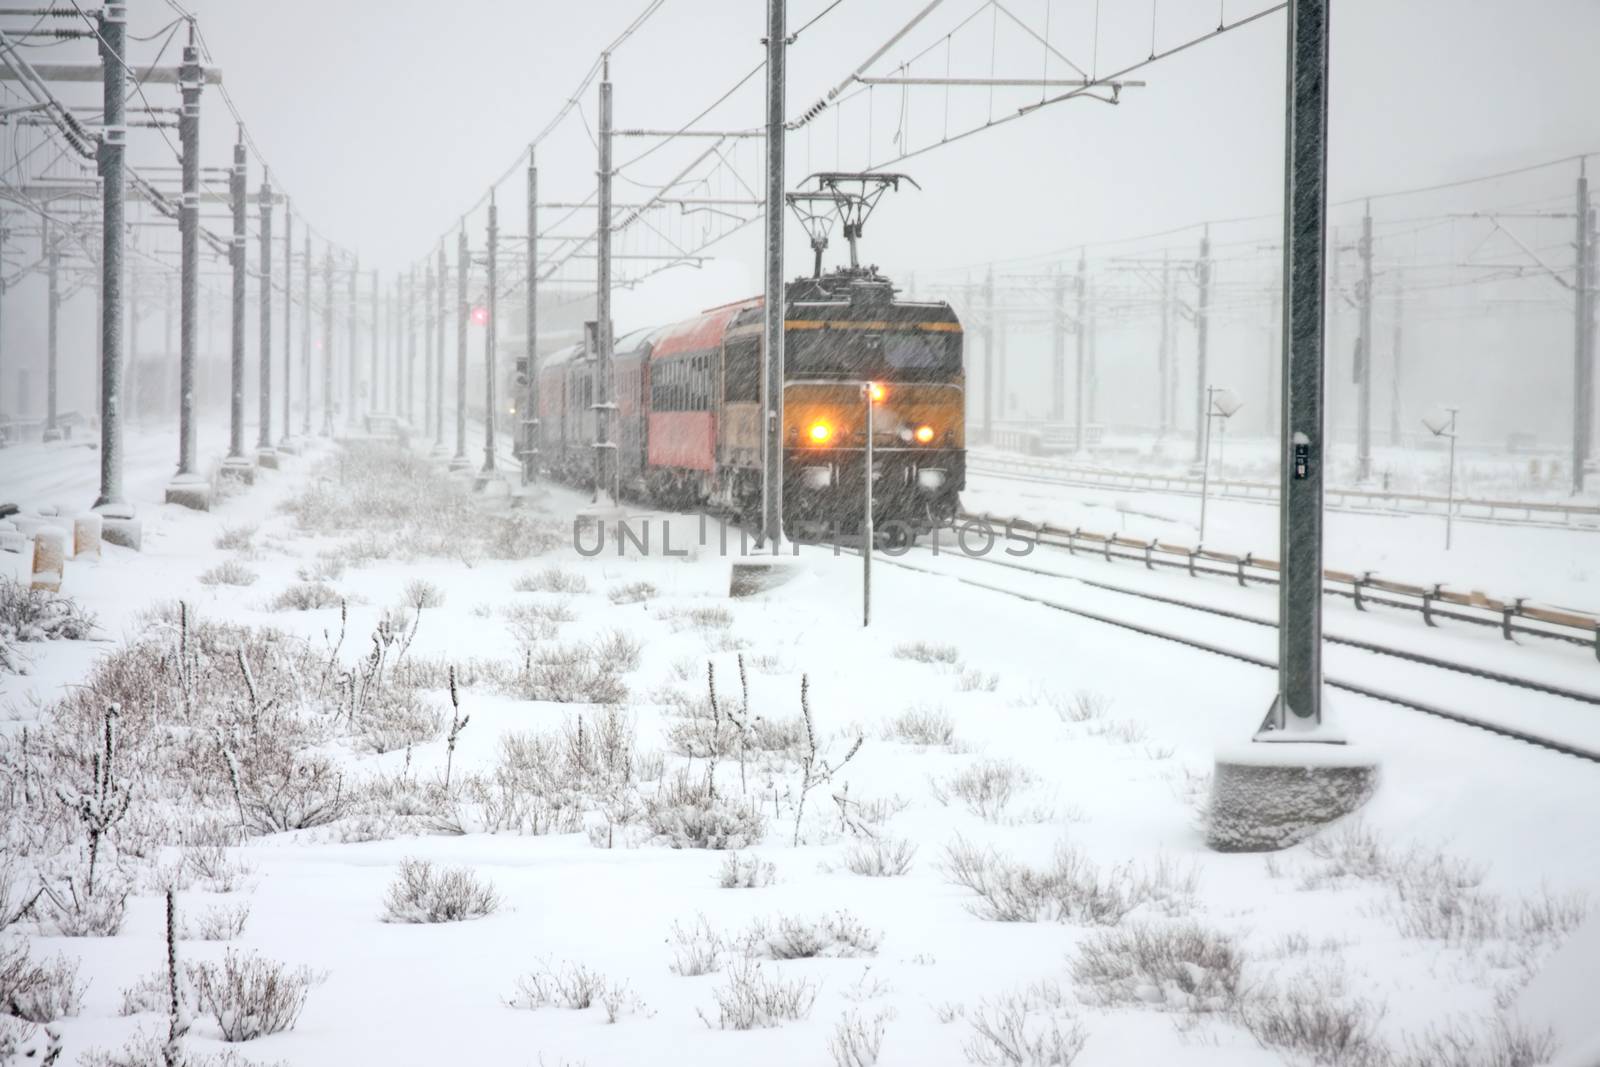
[[1340, 679]]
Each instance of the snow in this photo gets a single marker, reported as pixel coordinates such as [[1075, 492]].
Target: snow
[[1121, 789]]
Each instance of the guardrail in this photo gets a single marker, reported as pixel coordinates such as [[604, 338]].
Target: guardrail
[[1512, 617], [1587, 514]]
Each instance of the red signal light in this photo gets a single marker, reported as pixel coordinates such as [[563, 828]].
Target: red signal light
[[480, 315]]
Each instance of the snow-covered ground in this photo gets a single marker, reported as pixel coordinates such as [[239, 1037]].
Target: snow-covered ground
[[985, 723]]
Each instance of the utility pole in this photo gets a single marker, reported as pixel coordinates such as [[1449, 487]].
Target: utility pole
[[1078, 390], [1094, 363], [1397, 363], [288, 321], [988, 358], [52, 255], [353, 356], [427, 348], [1582, 356], [489, 341], [265, 456], [396, 370], [438, 362], [327, 340], [190, 81], [113, 34], [1164, 352], [463, 272], [1202, 313], [1274, 347], [1364, 355], [1058, 352], [235, 464], [604, 468], [775, 310], [305, 338], [376, 403], [530, 403], [408, 326], [1001, 335]]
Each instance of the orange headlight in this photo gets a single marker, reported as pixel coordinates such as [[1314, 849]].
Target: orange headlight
[[820, 433], [877, 391], [924, 434]]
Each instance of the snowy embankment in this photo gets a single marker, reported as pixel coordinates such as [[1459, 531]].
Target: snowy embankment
[[1007, 869]]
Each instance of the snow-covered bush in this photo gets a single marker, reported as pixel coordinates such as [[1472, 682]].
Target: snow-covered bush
[[1501, 1042], [1180, 966], [571, 674], [976, 681], [228, 572], [631, 593], [25, 1043], [222, 922], [574, 987], [1019, 1031], [420, 593], [697, 950], [753, 1000], [839, 935], [305, 596], [880, 857], [1085, 706], [1069, 889], [617, 650], [857, 1042], [292, 793], [685, 813], [76, 911], [236, 538], [921, 726], [250, 996], [739, 871], [422, 894], [986, 788], [397, 718], [927, 652], [520, 536], [28, 614], [34, 990], [1307, 1020], [539, 621], [551, 580], [708, 617]]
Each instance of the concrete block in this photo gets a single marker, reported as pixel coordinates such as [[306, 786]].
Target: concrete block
[[11, 539], [191, 493], [239, 469], [127, 532], [1267, 796], [753, 577], [49, 559], [267, 459], [87, 533]]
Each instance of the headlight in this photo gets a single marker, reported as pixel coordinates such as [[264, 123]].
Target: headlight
[[924, 434], [818, 477], [821, 433], [878, 392], [930, 478]]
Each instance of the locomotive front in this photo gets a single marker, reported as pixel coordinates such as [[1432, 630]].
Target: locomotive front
[[845, 333]]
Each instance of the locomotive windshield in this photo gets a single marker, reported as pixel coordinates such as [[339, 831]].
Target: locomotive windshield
[[872, 353]]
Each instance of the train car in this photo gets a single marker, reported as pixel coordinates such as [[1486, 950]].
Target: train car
[[567, 415]]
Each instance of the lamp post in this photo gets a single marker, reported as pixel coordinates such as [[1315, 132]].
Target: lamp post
[[869, 394], [1220, 404], [1446, 427]]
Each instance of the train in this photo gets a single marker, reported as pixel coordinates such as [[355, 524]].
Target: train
[[686, 422]]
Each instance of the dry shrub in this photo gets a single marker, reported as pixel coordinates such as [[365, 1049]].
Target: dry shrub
[[684, 813], [709, 617], [880, 857], [422, 894], [746, 872], [236, 538], [753, 1000], [976, 681], [292, 793], [1033, 1029], [305, 596], [856, 1042], [22, 1042], [1181, 967], [1069, 889], [421, 593], [574, 987], [551, 580], [396, 719], [1501, 1042], [533, 623], [250, 996], [36, 991], [839, 935], [1085, 706], [697, 950], [632, 593], [28, 614], [986, 788], [572, 674], [927, 652], [223, 922], [1306, 1019], [229, 572], [617, 650], [921, 726]]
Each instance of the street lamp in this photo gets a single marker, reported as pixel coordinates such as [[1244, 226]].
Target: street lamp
[[871, 392], [1446, 427], [1220, 404]]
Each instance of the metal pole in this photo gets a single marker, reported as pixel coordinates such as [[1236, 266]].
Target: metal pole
[[1202, 329], [1398, 364], [375, 403], [52, 254], [1297, 709], [530, 403], [463, 313], [264, 440], [1450, 490], [288, 319], [305, 339], [236, 196], [352, 357], [1077, 370], [191, 81], [1274, 346], [428, 354], [438, 361], [1364, 368], [489, 338], [327, 341], [1001, 336], [603, 467], [113, 147], [1205, 467], [1058, 352], [776, 296], [1583, 383], [408, 327], [988, 358], [3, 235], [866, 521], [1094, 364], [1164, 352]]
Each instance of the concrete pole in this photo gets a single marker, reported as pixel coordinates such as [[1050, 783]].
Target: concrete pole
[[428, 354], [236, 256], [305, 338], [438, 361], [1364, 351], [408, 329], [776, 302], [191, 81], [52, 255], [988, 358], [1297, 710], [396, 371], [264, 452], [1202, 329], [113, 35], [1274, 347], [327, 341], [1001, 386], [353, 354], [1058, 352], [489, 338], [1397, 365], [288, 320], [1582, 367], [530, 402], [603, 449], [463, 313], [3, 235], [376, 401], [1078, 391], [1094, 363], [1164, 352], [168, 318]]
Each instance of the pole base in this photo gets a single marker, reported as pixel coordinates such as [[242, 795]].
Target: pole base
[[491, 484], [189, 492], [288, 447], [53, 434], [460, 463], [1266, 797], [239, 469], [267, 458], [126, 531]]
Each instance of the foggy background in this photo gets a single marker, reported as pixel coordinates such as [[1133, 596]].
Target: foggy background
[[386, 122]]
